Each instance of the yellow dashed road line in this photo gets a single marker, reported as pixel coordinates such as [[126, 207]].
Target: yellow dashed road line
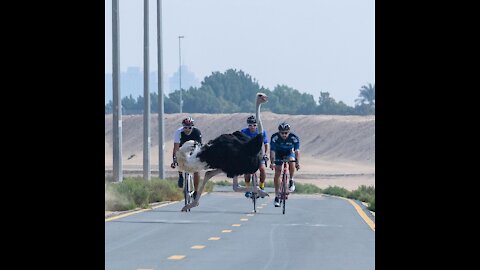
[[214, 238], [176, 257], [225, 231], [243, 219], [197, 247], [236, 225]]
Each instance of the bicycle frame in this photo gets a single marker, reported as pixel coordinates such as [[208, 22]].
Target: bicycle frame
[[283, 189], [254, 183]]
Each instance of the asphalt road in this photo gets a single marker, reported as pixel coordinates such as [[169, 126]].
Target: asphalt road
[[316, 232]]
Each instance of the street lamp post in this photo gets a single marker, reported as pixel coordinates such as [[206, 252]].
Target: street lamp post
[[180, 70]]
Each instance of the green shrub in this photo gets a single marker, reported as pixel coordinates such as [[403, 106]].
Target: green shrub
[[116, 199], [307, 188], [364, 194], [134, 192], [371, 205], [336, 191], [164, 190]]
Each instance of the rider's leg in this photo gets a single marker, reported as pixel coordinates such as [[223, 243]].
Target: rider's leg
[[263, 175], [247, 179], [180, 179], [276, 178], [248, 194], [291, 168]]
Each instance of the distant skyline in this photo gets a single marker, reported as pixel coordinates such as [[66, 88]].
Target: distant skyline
[[131, 82], [310, 45]]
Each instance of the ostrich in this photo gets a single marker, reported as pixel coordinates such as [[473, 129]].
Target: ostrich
[[233, 154]]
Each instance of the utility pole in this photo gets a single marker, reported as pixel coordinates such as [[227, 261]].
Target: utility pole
[[180, 70], [117, 104], [146, 97], [161, 146]]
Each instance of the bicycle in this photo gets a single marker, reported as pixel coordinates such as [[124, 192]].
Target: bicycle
[[254, 182], [188, 188], [283, 189], [188, 185]]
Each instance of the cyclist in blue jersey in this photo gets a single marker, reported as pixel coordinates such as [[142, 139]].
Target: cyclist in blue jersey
[[284, 144], [251, 131]]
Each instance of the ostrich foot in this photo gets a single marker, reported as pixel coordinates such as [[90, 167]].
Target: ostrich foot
[[190, 205]]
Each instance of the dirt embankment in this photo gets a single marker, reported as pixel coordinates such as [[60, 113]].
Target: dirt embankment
[[335, 150]]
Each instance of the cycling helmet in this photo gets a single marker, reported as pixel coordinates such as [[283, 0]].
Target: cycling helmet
[[251, 120], [283, 126], [188, 121]]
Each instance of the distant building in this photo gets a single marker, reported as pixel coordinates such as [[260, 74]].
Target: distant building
[[131, 82], [188, 80]]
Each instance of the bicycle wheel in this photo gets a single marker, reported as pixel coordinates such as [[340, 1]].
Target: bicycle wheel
[[186, 188], [253, 182], [284, 192]]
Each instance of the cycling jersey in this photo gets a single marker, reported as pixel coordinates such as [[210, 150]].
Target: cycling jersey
[[180, 137], [247, 132], [283, 147]]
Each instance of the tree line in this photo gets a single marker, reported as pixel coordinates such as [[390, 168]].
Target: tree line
[[232, 92]]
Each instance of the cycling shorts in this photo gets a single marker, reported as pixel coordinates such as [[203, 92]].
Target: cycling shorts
[[279, 155]]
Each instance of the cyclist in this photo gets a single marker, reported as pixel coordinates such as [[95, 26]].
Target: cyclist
[[251, 131], [284, 144], [185, 133]]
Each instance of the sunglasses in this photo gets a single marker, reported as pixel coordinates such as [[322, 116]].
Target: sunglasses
[[284, 133], [187, 127], [252, 125]]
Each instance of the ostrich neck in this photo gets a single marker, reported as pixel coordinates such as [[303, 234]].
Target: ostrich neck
[[259, 120]]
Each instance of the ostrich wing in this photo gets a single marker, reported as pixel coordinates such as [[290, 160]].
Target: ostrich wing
[[235, 154]]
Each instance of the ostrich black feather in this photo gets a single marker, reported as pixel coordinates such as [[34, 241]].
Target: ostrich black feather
[[235, 154]]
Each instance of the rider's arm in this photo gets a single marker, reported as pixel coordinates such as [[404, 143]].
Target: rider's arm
[[176, 146], [265, 141], [272, 149], [297, 155], [296, 147]]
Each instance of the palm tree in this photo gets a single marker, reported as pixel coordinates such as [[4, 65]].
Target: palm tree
[[366, 96]]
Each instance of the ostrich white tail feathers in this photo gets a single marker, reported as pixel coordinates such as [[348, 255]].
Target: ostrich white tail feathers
[[187, 157]]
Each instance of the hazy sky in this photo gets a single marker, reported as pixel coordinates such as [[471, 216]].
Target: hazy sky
[[309, 45]]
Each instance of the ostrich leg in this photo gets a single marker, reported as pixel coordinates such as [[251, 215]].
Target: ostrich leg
[[208, 175]]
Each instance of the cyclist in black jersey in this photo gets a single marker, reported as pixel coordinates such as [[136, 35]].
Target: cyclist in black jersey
[[284, 144], [185, 133]]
